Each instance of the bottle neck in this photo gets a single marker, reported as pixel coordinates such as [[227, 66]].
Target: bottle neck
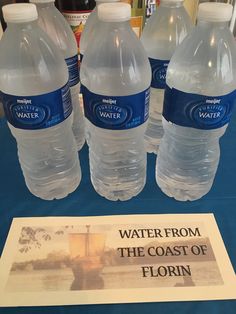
[[117, 25], [171, 4], [210, 24], [45, 5], [22, 26]]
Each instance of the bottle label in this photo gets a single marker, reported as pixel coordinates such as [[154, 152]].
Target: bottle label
[[197, 111], [73, 68], [77, 20], [159, 68], [118, 112], [38, 112]]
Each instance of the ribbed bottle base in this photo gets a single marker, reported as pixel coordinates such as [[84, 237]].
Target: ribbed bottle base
[[118, 192]]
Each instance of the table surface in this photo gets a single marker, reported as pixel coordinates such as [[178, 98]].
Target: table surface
[[16, 201]]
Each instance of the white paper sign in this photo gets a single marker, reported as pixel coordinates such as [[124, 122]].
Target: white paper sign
[[114, 259]]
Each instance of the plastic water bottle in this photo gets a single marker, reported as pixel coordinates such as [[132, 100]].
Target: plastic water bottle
[[88, 35], [37, 104], [201, 83], [115, 79], [89, 30], [56, 26], [165, 30]]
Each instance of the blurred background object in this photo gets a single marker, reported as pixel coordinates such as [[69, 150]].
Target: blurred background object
[[138, 13], [76, 13], [151, 6], [192, 7]]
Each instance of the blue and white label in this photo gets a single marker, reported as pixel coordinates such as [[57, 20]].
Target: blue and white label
[[159, 69], [73, 68], [118, 112], [197, 111], [38, 112]]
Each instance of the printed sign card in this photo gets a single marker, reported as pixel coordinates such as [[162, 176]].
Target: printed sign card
[[114, 259]]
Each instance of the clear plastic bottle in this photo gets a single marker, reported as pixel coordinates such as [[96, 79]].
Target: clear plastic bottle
[[165, 30], [115, 78], [37, 104], [90, 27], [56, 26], [201, 83], [88, 34]]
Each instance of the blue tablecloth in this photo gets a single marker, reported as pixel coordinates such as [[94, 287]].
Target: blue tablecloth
[[16, 201]]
